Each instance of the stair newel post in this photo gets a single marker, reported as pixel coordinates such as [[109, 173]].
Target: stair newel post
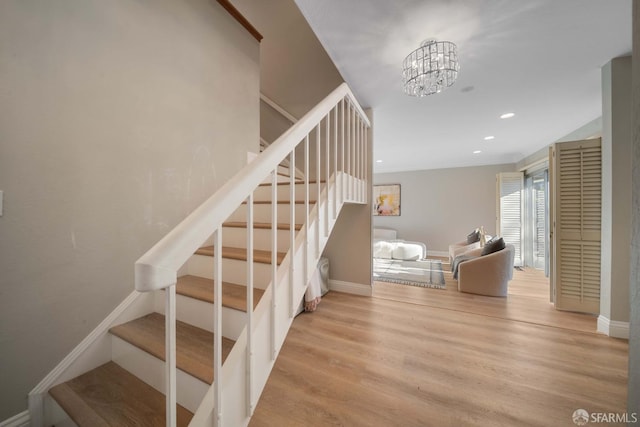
[[318, 178], [170, 350], [292, 229], [327, 144], [217, 322], [306, 208], [249, 353], [342, 126], [274, 257], [335, 161]]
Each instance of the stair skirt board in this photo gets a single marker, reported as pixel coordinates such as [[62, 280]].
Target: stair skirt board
[[19, 420]]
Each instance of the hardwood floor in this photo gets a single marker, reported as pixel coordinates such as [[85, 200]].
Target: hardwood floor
[[528, 300], [427, 357]]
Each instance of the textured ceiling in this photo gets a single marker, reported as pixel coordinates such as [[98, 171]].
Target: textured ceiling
[[540, 59]]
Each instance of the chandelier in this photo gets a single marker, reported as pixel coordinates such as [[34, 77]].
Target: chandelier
[[431, 68]]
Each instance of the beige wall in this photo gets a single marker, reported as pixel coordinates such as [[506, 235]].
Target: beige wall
[[634, 333], [442, 206], [295, 70], [116, 120], [272, 123], [616, 189]]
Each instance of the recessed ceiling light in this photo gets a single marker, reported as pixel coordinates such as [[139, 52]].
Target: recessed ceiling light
[[507, 115], [488, 138], [477, 152], [378, 161]]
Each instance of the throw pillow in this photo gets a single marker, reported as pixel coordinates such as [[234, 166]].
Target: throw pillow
[[494, 245], [473, 237]]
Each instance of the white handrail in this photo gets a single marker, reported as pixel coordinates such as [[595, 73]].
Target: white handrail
[[157, 269]]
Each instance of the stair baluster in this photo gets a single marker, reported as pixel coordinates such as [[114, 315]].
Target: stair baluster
[[249, 314], [170, 349], [274, 259], [217, 321], [292, 231]]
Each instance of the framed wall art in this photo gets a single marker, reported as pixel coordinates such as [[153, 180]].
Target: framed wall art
[[386, 200]]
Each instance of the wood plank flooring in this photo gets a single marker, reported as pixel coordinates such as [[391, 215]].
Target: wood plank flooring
[[528, 300], [426, 357]]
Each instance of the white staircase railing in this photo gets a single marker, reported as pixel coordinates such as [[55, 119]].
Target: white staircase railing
[[337, 126]]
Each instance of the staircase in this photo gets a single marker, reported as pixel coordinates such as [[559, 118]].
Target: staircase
[[183, 348]]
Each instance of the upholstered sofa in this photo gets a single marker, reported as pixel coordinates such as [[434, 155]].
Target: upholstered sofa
[[399, 249], [387, 246], [486, 274]]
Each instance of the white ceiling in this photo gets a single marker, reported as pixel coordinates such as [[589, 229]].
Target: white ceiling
[[540, 59]]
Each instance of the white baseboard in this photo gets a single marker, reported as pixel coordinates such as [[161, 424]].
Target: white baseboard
[[21, 420], [350, 288], [438, 253], [613, 328]]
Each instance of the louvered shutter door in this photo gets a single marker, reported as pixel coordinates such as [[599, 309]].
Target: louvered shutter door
[[578, 211], [509, 219]]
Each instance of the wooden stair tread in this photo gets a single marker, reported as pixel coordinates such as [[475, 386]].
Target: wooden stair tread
[[194, 346], [260, 256], [260, 225], [280, 202], [111, 396], [233, 296]]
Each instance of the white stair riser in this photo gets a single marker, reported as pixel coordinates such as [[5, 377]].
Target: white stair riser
[[55, 415], [262, 213], [283, 176], [263, 193], [150, 369], [237, 238], [233, 271], [200, 313]]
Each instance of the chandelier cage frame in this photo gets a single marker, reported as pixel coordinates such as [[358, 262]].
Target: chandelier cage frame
[[431, 68]]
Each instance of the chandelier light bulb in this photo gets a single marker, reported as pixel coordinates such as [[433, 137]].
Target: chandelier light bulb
[[430, 69]]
